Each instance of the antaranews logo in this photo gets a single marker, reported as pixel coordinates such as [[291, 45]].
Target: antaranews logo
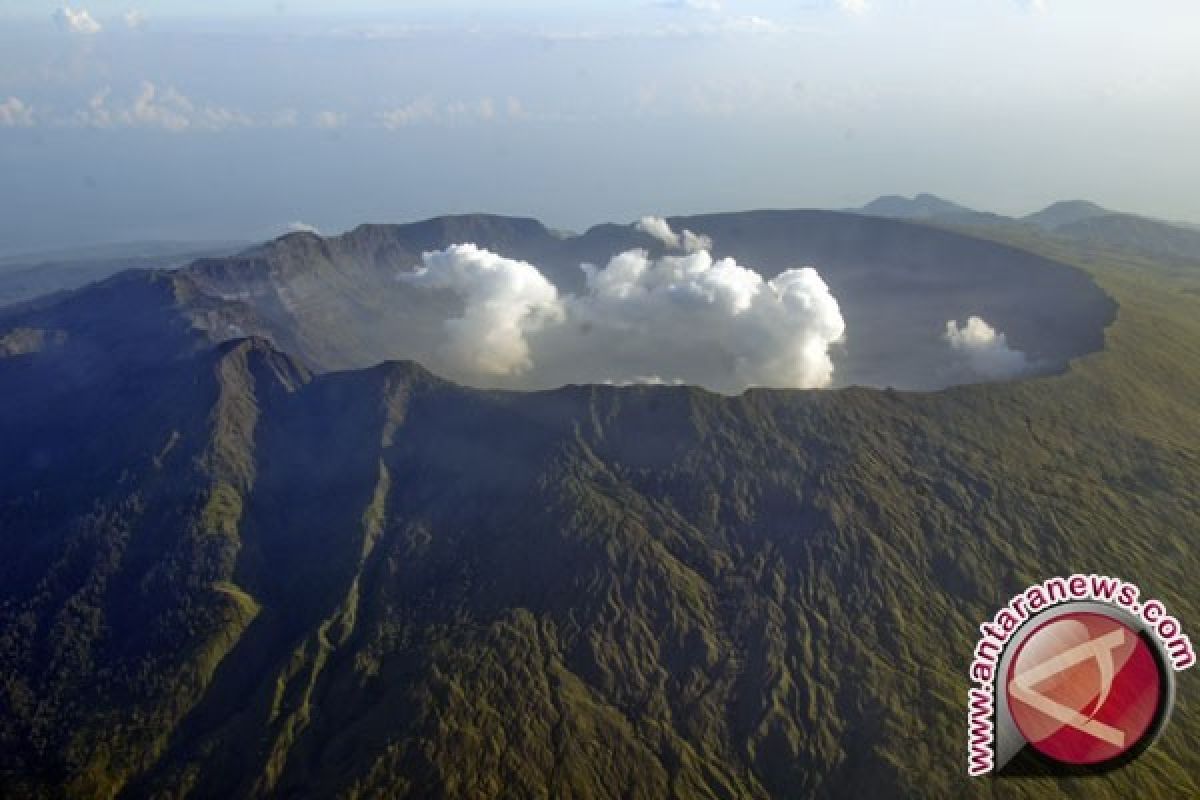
[[1079, 670]]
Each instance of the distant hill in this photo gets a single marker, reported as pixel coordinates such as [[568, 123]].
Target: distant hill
[[922, 206], [1078, 220], [1091, 224], [931, 208], [1067, 212]]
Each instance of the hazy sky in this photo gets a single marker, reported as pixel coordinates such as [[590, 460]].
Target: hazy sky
[[225, 119]]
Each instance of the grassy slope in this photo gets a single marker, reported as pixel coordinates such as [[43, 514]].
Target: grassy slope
[[1091, 471], [657, 591]]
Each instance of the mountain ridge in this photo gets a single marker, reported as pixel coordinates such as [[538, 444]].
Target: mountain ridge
[[1081, 221], [336, 303]]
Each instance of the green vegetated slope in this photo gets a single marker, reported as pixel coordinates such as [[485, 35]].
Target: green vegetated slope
[[223, 577]]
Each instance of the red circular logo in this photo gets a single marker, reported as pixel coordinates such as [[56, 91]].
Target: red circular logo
[[1084, 688]]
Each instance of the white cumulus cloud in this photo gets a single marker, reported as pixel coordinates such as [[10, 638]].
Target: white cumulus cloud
[[76, 20], [856, 7], [156, 107], [505, 301], [985, 349], [134, 19], [693, 242], [660, 229], [485, 109], [410, 114], [682, 318], [14, 113], [165, 109]]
